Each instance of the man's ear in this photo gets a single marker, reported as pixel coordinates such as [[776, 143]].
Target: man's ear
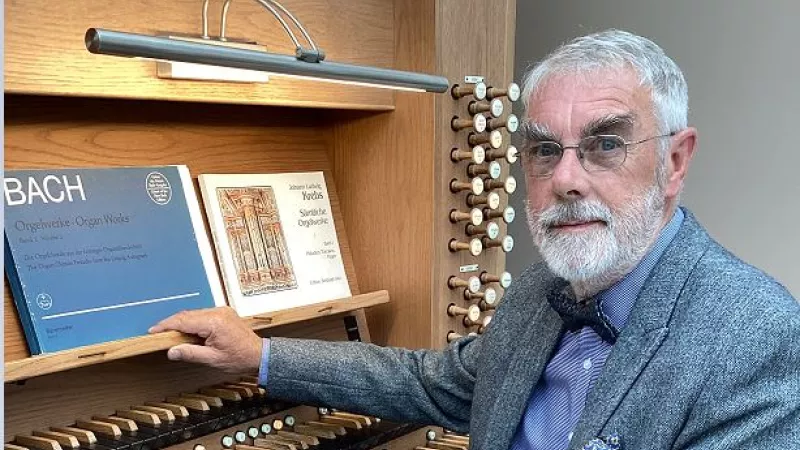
[[678, 158]]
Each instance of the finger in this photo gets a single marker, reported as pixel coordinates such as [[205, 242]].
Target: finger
[[191, 322], [192, 353]]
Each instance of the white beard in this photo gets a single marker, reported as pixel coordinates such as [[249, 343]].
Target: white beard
[[593, 260]]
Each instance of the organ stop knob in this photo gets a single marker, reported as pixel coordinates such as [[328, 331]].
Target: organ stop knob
[[474, 216], [477, 155], [512, 92], [477, 90]]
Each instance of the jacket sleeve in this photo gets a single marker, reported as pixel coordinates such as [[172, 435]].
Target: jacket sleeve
[[421, 386], [752, 399]]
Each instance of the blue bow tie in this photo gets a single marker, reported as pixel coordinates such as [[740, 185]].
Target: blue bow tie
[[578, 314]]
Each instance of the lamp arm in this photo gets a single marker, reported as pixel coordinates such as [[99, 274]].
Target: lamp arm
[[314, 54], [296, 22]]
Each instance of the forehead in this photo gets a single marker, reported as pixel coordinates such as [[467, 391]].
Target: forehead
[[564, 103]]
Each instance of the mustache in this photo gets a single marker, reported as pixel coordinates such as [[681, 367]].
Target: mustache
[[571, 212]]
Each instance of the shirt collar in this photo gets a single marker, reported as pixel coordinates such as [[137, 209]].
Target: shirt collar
[[617, 301]]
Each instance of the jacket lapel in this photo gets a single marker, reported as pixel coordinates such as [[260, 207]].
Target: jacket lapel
[[647, 328], [526, 363]]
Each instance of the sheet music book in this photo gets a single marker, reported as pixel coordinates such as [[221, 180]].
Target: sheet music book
[[275, 239], [95, 255]]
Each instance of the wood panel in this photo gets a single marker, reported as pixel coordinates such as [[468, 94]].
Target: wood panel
[[474, 37], [58, 399], [45, 50], [42, 132], [384, 170]]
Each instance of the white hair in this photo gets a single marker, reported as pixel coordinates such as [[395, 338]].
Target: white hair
[[616, 49]]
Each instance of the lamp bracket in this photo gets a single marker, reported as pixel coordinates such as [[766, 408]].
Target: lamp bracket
[[313, 54]]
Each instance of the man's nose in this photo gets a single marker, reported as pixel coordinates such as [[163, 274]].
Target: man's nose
[[569, 179]]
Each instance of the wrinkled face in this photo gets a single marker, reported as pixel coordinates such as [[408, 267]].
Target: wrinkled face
[[590, 225]]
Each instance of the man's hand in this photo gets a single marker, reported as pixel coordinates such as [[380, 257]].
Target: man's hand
[[230, 345]]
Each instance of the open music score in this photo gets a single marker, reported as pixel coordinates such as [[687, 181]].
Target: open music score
[[236, 415]]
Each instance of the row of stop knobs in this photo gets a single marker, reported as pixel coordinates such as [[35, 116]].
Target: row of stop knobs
[[471, 290], [483, 185], [484, 170]]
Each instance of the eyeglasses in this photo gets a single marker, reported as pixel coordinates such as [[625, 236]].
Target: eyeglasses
[[595, 153]]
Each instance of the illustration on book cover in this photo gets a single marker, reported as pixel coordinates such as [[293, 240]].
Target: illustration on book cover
[[258, 244]]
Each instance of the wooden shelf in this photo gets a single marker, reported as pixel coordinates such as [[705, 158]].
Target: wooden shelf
[[93, 354]]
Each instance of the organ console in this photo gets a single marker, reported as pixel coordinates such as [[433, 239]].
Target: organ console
[[128, 396], [477, 155]]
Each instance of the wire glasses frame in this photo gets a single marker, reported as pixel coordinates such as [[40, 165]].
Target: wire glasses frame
[[596, 153]]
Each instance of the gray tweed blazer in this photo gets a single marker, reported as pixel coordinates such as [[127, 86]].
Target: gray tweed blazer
[[709, 359]]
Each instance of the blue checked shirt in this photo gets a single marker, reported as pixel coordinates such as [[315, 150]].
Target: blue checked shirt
[[557, 401]]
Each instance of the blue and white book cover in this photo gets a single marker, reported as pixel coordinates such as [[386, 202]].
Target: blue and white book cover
[[98, 255]]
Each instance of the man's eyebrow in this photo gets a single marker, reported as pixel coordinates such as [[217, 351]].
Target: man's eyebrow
[[621, 124], [538, 132]]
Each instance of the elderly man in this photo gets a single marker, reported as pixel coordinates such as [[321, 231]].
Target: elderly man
[[637, 327]]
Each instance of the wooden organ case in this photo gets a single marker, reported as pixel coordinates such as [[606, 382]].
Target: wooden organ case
[[401, 170]]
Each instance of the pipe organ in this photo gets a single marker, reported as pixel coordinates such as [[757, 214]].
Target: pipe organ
[[419, 187]]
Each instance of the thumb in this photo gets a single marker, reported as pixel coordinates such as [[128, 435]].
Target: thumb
[[192, 353]]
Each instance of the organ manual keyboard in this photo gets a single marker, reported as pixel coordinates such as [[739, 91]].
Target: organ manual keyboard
[[235, 415]]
